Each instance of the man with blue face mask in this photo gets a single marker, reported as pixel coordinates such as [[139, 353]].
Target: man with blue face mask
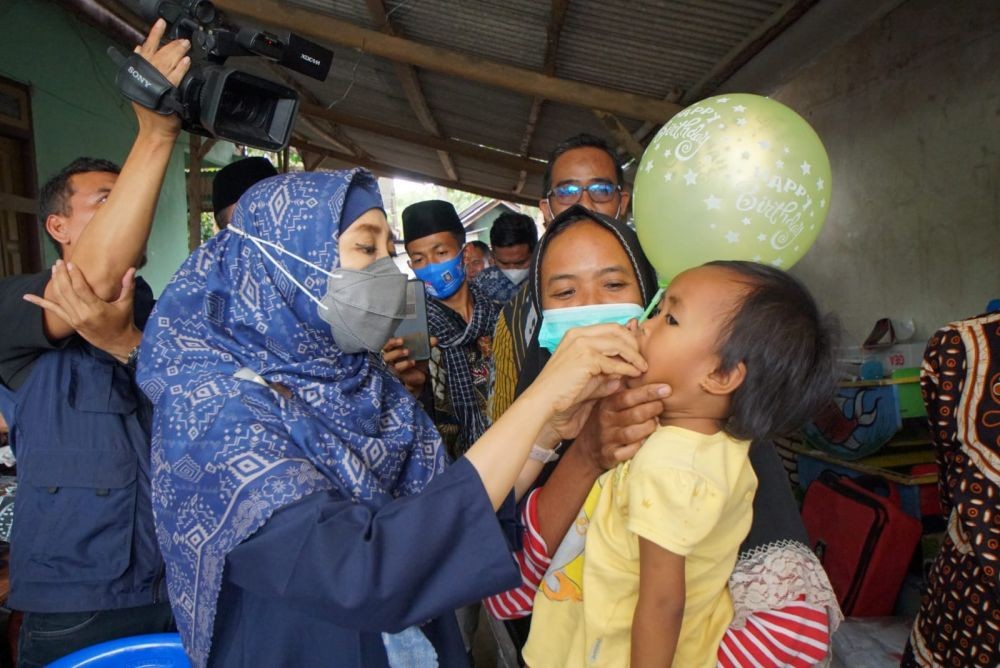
[[462, 319], [459, 316], [513, 237]]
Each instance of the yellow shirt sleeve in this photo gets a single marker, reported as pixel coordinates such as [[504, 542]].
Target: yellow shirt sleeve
[[671, 504]]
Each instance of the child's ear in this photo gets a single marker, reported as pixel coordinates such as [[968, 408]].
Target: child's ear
[[721, 382]]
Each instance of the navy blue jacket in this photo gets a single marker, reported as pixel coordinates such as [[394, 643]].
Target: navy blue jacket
[[83, 536], [324, 577]]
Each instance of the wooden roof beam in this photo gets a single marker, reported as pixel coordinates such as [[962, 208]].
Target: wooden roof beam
[[488, 155], [620, 133], [407, 76], [386, 169], [738, 56], [557, 16], [325, 28], [646, 128]]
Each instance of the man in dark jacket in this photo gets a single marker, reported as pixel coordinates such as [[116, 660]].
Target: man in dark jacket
[[85, 566]]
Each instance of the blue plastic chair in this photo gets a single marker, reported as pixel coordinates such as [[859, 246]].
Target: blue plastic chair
[[156, 650]]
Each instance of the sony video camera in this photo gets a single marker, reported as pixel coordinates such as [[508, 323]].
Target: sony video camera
[[218, 101]]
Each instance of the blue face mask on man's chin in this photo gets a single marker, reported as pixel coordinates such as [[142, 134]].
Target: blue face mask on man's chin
[[443, 279], [556, 322]]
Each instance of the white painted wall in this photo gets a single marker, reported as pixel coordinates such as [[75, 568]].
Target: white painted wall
[[909, 111]]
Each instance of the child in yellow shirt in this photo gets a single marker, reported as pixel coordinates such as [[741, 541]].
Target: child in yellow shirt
[[749, 357]]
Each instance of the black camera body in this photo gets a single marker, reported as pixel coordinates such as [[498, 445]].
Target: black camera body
[[218, 101]]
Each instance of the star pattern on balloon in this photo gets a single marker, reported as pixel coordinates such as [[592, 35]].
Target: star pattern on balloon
[[722, 157]]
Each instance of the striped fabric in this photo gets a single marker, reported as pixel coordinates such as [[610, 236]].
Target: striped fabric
[[533, 560], [796, 635]]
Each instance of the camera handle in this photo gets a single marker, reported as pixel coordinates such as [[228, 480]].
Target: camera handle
[[142, 83]]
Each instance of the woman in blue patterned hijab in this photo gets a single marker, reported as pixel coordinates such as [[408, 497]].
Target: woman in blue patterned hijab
[[292, 474]]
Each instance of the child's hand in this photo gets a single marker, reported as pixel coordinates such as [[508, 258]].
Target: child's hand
[[619, 424]]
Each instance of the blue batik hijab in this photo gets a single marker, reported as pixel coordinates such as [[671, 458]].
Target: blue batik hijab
[[227, 450]]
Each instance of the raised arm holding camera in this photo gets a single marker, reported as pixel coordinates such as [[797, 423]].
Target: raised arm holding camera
[[85, 566]]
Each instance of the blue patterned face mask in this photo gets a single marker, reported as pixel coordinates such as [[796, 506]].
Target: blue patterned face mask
[[444, 278], [557, 321]]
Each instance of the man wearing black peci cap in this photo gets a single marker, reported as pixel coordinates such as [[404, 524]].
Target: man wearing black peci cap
[[232, 181], [458, 315], [462, 319]]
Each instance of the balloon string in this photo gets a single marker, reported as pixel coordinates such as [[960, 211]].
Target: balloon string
[[652, 305]]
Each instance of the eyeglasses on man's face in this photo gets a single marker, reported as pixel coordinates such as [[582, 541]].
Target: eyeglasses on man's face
[[600, 192]]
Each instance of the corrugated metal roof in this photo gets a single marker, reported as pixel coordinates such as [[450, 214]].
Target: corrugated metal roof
[[655, 48]]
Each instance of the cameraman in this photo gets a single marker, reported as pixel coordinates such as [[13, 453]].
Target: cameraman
[[85, 565]]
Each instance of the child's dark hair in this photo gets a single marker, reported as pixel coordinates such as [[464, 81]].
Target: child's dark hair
[[787, 346]]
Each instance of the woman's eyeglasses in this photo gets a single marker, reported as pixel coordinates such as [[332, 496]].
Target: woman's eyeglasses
[[600, 192]]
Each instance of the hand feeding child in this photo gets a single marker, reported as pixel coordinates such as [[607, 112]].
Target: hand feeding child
[[749, 357]]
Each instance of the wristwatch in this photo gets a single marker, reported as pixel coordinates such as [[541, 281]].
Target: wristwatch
[[544, 455], [133, 358]]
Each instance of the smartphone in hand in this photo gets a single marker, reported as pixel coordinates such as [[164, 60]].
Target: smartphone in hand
[[413, 329]]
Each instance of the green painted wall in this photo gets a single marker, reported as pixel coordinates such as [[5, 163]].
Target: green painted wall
[[77, 111]]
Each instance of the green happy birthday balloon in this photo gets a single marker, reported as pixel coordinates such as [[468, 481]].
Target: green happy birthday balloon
[[733, 177]]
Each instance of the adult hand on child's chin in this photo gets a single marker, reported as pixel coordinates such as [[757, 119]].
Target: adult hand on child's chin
[[619, 424], [588, 365], [566, 424]]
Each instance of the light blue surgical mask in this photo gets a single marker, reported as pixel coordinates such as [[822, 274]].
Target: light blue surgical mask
[[557, 321], [443, 279]]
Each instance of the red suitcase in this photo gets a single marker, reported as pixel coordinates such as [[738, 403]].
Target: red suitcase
[[864, 540]]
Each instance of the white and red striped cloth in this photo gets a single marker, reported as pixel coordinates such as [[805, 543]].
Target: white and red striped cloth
[[796, 635], [533, 560]]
